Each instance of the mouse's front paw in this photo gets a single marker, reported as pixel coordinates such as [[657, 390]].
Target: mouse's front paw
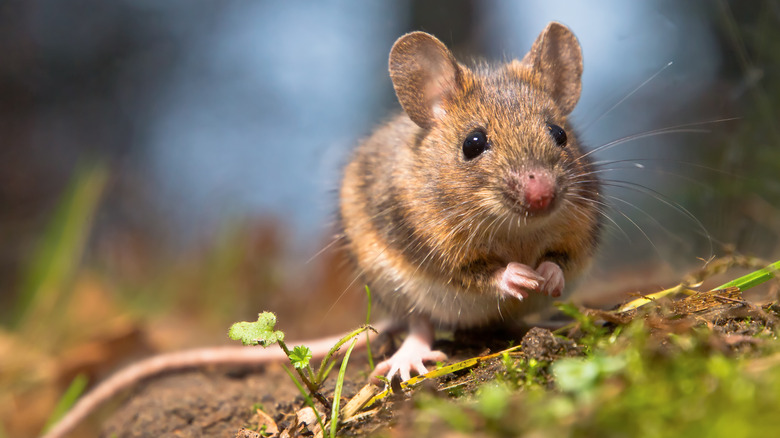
[[517, 280], [553, 278], [410, 357]]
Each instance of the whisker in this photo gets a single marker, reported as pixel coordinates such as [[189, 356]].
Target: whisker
[[658, 171], [665, 200], [641, 135], [641, 230], [600, 208], [649, 216], [663, 160], [354, 280], [335, 240], [340, 236], [647, 81]]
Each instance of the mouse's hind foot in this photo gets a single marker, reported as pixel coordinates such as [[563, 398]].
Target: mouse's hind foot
[[416, 350]]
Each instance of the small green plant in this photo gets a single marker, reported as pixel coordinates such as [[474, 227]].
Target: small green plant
[[592, 334], [261, 332]]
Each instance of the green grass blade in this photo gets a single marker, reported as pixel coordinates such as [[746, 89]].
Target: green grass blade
[[368, 338], [321, 374], [306, 397], [68, 399], [334, 416], [754, 278], [45, 285]]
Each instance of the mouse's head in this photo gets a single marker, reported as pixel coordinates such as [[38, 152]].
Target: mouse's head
[[494, 138]]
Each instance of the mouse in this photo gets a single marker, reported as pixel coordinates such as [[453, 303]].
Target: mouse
[[476, 204]]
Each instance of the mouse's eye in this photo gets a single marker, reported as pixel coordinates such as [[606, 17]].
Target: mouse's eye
[[558, 134], [475, 144]]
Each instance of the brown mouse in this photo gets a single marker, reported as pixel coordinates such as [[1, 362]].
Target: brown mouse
[[477, 203], [473, 206]]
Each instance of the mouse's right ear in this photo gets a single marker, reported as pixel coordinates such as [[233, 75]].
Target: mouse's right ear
[[424, 74]]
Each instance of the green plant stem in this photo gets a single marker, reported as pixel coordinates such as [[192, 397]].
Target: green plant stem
[[334, 416], [312, 376], [307, 399], [313, 389], [368, 338], [324, 366], [330, 367]]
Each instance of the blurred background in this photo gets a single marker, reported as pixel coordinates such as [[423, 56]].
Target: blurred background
[[167, 168]]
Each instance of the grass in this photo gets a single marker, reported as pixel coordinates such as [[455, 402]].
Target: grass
[[657, 375], [695, 392], [45, 287]]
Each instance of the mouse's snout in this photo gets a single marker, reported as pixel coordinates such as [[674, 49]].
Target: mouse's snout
[[534, 189], [539, 191]]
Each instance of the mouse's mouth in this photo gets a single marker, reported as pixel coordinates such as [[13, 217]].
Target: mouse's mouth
[[518, 207]]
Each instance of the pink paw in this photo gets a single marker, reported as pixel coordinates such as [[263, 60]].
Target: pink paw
[[412, 355], [553, 278], [517, 280]]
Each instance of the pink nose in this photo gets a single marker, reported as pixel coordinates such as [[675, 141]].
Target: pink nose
[[539, 191]]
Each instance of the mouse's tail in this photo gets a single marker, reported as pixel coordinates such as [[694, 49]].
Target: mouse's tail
[[196, 358]]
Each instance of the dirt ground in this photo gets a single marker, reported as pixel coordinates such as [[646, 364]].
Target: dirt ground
[[219, 403], [225, 403]]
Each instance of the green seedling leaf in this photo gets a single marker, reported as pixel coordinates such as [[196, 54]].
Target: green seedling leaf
[[300, 357], [259, 332]]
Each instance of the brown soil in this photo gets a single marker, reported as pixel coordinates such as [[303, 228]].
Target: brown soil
[[219, 403]]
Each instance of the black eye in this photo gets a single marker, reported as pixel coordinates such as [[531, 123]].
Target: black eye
[[558, 134], [475, 143]]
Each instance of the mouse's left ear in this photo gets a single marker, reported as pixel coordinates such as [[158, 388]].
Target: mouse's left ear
[[556, 62]]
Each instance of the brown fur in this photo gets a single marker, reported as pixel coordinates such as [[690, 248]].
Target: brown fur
[[428, 229]]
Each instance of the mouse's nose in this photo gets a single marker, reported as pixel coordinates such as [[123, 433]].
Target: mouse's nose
[[534, 189], [538, 188]]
